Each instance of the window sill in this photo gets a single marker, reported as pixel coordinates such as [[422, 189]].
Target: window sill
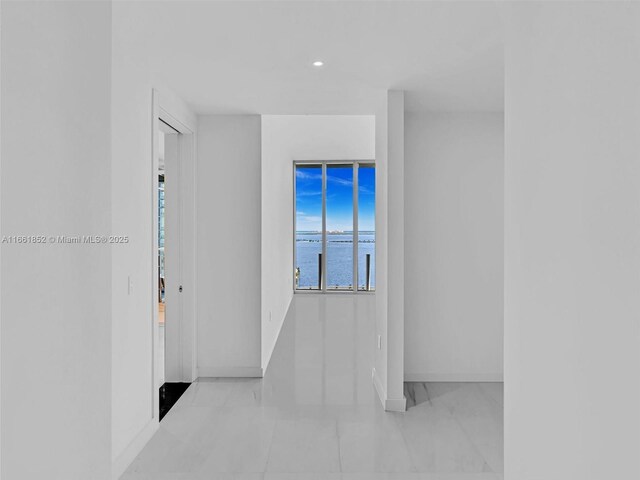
[[334, 292]]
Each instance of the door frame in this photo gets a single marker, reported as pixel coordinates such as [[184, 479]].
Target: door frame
[[173, 113]]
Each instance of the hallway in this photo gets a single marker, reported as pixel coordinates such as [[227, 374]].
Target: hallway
[[316, 415]]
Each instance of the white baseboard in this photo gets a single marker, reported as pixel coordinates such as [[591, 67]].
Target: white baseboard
[[389, 404], [395, 404], [453, 377], [230, 372], [122, 462]]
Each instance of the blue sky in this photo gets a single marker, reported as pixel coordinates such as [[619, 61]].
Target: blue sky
[[339, 198]]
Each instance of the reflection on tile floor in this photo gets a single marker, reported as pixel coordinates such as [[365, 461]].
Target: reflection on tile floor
[[315, 415]]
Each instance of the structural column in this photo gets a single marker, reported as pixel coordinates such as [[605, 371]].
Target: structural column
[[389, 357]]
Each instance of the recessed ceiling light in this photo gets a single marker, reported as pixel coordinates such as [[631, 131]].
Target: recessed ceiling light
[[318, 63]]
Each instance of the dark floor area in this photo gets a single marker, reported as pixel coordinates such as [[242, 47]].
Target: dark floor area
[[169, 395]]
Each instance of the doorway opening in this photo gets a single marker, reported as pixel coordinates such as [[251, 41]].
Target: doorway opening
[[172, 252], [169, 303]]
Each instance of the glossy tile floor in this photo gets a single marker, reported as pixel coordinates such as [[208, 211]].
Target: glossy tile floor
[[316, 416]]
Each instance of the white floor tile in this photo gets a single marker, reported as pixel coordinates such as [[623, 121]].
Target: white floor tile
[[241, 441], [165, 453], [373, 445], [152, 476], [494, 390], [316, 416], [437, 443], [302, 476], [382, 476], [305, 446]]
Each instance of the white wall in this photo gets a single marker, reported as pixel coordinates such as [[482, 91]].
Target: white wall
[[56, 180], [133, 418], [454, 202], [228, 245], [286, 138], [572, 241], [132, 202]]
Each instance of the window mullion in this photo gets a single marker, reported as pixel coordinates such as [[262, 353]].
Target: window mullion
[[355, 227], [324, 227]]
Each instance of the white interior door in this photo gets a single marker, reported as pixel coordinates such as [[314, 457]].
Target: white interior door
[[172, 259]]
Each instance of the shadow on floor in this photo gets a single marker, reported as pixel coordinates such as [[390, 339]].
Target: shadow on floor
[[169, 395]]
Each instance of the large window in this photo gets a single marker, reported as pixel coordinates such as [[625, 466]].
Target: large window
[[334, 226]]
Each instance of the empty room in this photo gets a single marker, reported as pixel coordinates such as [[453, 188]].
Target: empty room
[[319, 240]]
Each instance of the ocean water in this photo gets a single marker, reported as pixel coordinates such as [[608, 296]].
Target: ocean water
[[339, 259]]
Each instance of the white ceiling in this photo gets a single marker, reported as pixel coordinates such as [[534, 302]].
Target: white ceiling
[[255, 57]]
